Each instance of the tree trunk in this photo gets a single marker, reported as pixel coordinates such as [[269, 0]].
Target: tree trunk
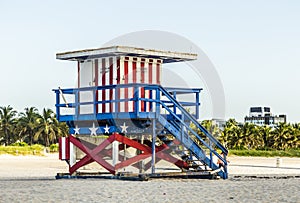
[[6, 137], [31, 137], [47, 140]]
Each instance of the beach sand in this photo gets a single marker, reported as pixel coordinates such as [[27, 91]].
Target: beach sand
[[252, 179]]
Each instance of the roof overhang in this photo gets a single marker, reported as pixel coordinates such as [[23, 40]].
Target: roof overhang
[[166, 56]]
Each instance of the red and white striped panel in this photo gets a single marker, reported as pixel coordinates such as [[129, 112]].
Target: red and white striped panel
[[119, 70], [107, 75], [64, 148], [138, 70]]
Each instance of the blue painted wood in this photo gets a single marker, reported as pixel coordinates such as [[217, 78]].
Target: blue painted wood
[[176, 124]]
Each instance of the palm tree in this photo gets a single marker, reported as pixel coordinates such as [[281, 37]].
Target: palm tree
[[250, 136], [231, 135], [45, 128], [282, 135], [61, 130], [211, 127], [7, 123], [296, 136], [266, 134], [28, 123]]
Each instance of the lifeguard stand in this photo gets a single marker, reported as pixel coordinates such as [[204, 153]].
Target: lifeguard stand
[[119, 101]]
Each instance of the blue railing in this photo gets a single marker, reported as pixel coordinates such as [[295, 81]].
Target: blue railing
[[116, 100], [188, 118], [160, 98]]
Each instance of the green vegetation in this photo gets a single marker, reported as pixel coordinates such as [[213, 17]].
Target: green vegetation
[[266, 153], [29, 128], [54, 147], [27, 132], [35, 149], [252, 140]]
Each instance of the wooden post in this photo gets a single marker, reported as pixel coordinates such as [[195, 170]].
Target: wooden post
[[142, 164], [153, 146]]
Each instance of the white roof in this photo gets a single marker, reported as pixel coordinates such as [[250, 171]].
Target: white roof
[[166, 56]]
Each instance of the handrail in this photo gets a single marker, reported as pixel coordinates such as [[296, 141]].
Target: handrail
[[185, 125], [169, 93], [215, 141], [74, 91], [147, 87], [186, 114]]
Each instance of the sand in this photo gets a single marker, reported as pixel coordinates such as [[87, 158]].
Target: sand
[[31, 179]]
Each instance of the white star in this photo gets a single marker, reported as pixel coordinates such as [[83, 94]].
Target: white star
[[76, 130], [106, 129], [93, 130], [124, 128]]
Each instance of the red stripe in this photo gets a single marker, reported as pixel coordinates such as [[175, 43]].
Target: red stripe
[[142, 72], [111, 81], [142, 89], [67, 148], [158, 73], [118, 81], [126, 82], [134, 72], [150, 70], [133, 79], [150, 73], [78, 85], [96, 82], [103, 84]]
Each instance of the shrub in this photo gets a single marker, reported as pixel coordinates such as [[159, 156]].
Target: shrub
[[37, 147], [20, 144], [22, 150], [266, 153], [54, 147]]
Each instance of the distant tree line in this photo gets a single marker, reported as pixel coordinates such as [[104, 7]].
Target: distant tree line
[[283, 136], [30, 126], [43, 128]]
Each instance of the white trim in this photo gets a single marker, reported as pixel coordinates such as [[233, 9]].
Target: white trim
[[130, 90], [107, 72], [115, 152], [72, 154], [100, 83], [63, 148], [125, 50]]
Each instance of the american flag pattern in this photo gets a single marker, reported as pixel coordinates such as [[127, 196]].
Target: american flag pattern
[[117, 70]]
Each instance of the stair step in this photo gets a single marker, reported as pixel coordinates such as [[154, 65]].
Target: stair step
[[194, 143], [168, 142]]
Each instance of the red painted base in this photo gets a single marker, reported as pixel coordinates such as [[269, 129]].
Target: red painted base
[[97, 154]]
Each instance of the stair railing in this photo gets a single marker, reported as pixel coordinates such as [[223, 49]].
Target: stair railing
[[189, 117]]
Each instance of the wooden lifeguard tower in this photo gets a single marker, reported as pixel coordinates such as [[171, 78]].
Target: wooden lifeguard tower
[[120, 98]]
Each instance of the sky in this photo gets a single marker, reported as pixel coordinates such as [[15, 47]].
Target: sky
[[254, 46]]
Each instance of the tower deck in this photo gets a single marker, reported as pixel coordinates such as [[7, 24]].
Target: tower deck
[[119, 96]]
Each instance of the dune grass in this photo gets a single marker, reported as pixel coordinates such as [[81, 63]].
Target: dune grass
[[22, 150], [39, 151], [266, 153]]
